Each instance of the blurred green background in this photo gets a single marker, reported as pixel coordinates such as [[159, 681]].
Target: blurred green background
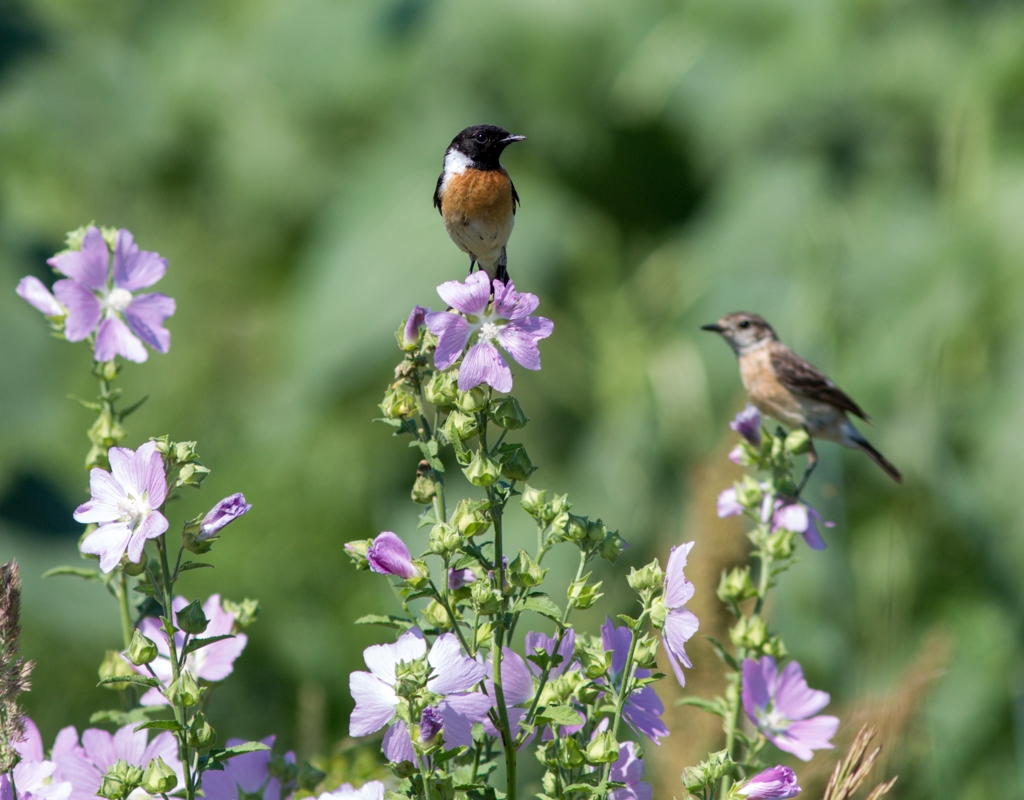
[[851, 169]]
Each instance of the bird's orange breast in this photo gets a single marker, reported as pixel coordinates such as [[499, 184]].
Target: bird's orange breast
[[482, 196]]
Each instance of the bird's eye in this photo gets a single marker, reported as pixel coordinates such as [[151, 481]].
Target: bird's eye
[[745, 323], [480, 137]]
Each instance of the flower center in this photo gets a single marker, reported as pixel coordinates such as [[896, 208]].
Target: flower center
[[772, 720], [119, 299], [134, 510], [489, 332]]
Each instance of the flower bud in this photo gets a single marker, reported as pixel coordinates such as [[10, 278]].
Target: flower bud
[[646, 580], [431, 723], [482, 470], [192, 619], [398, 403], [460, 426], [515, 462], [436, 615], [120, 780], [798, 442], [183, 452], [749, 632], [114, 666], [485, 598], [410, 677], [780, 544], [129, 567], [777, 783], [581, 595], [191, 475], [356, 550], [709, 772], [441, 389], [597, 531], [473, 401], [184, 692], [749, 492], [200, 733], [735, 586], [577, 528], [226, 511], [469, 518], [613, 546], [508, 414], [408, 334], [533, 501], [646, 654], [388, 555], [141, 650], [106, 431], [158, 777], [570, 756], [244, 612], [603, 748], [424, 489], [524, 572]]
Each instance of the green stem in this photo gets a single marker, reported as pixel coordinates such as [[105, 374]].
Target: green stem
[[126, 618], [443, 600]]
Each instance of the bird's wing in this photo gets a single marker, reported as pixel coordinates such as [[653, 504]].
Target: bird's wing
[[437, 193], [804, 379], [515, 196]]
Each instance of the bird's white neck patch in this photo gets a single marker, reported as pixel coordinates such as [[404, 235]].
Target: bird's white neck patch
[[455, 163]]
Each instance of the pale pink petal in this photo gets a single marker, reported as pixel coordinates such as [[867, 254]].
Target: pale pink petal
[[155, 479], [106, 495], [221, 621], [375, 703], [452, 332], [99, 747], [813, 733], [758, 685], [510, 304], [33, 290], [382, 658], [794, 698], [146, 316], [153, 698], [152, 526], [792, 517], [109, 543], [30, 747], [453, 670], [84, 310], [85, 778], [130, 745], [128, 470], [520, 339], [484, 364], [135, 269], [398, 743], [115, 339], [460, 712], [65, 743], [516, 680], [219, 661], [470, 297], [89, 265], [680, 625], [678, 590]]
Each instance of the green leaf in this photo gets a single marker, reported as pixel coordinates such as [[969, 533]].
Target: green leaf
[[723, 653], [560, 715], [429, 450], [160, 725], [542, 605], [389, 621], [122, 718], [133, 407], [194, 565], [716, 706], [237, 750], [196, 644], [447, 755], [630, 622], [145, 588], [136, 680], [79, 572], [428, 518]]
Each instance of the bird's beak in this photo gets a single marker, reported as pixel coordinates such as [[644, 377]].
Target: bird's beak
[[512, 137], [713, 327]]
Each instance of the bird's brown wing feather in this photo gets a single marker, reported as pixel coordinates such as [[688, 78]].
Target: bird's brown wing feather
[[805, 379], [437, 193], [515, 196]]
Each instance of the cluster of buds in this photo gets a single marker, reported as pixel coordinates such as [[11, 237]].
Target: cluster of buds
[[182, 462], [708, 773]]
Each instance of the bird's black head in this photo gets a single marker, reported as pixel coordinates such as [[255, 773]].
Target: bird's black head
[[483, 144]]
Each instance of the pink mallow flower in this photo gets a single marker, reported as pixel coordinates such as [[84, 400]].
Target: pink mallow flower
[[85, 764], [124, 503], [227, 510], [629, 769], [643, 709], [781, 705], [797, 517], [457, 578], [34, 776], [516, 688], [483, 324], [748, 425], [34, 291], [245, 777], [680, 623], [452, 674], [388, 555], [372, 790], [539, 641], [99, 296], [777, 783], [211, 663]]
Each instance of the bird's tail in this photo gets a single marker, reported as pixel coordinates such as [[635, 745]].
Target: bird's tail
[[859, 441]]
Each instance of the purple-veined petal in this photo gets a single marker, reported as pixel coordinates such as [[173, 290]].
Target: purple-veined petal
[[680, 625], [383, 658], [484, 364], [129, 745], [460, 712], [678, 590], [520, 339], [84, 310], [388, 555], [152, 526], [130, 469], [516, 680], [758, 685], [398, 743], [226, 511], [135, 269], [777, 783], [813, 734], [99, 747], [115, 339], [470, 297], [34, 291], [510, 304], [794, 698], [411, 333], [643, 713], [748, 425], [155, 479], [219, 658], [146, 316], [452, 332], [88, 266], [453, 670], [375, 703], [65, 743], [617, 640], [30, 748], [106, 494], [109, 543]]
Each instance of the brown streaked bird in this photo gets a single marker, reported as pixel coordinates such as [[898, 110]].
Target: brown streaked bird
[[476, 197], [784, 386]]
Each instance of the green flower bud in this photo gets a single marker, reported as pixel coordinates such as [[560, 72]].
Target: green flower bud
[[749, 493], [581, 595], [603, 748], [597, 531], [469, 518], [648, 580], [200, 733], [129, 567], [484, 597], [444, 539], [245, 612], [192, 619], [515, 462], [533, 501], [441, 389], [191, 475], [775, 648], [577, 528], [524, 572], [398, 403], [709, 772], [780, 544], [106, 431], [482, 470], [647, 652], [120, 781], [410, 677], [141, 650], [595, 661], [184, 692], [798, 442], [183, 452], [460, 426], [114, 666], [570, 756], [356, 550], [436, 615], [158, 777], [189, 537], [735, 586], [473, 401], [659, 613], [778, 447], [612, 547], [424, 490], [507, 413], [749, 632]]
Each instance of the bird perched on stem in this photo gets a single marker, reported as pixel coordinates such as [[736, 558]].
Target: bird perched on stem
[[784, 386], [476, 198]]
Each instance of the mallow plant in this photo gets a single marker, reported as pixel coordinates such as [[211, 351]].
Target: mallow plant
[[484, 666]]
